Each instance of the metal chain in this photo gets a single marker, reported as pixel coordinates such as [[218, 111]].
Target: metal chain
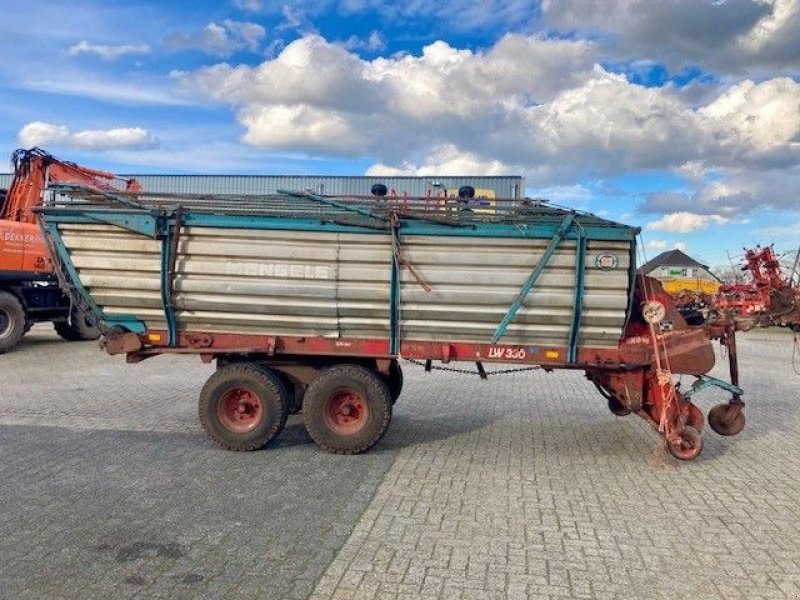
[[469, 372]]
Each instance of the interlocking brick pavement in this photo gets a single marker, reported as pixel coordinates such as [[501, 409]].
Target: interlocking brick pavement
[[109, 488], [524, 486], [539, 492]]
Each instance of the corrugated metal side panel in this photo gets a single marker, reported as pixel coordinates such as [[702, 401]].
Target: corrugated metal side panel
[[120, 269], [475, 281], [606, 295], [267, 282], [283, 282], [505, 187], [5, 180], [317, 283]]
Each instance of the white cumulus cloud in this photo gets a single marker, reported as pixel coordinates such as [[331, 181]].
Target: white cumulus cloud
[[731, 35], [447, 160], [685, 222], [531, 103], [758, 117], [39, 133]]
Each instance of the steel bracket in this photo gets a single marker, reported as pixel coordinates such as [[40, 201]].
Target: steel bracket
[[703, 382]]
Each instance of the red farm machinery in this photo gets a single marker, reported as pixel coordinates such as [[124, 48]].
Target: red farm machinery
[[309, 302]]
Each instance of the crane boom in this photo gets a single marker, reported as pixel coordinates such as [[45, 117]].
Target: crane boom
[[35, 169]]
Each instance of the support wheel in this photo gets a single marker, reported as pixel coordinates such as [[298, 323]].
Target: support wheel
[[726, 420], [347, 409], [689, 445], [243, 407], [80, 327], [12, 321]]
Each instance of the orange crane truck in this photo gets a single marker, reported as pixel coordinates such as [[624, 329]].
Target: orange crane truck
[[29, 290]]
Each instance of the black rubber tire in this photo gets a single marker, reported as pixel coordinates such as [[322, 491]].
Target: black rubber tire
[[294, 397], [343, 379], [719, 421], [81, 327], [691, 444], [394, 381], [12, 321], [257, 380]]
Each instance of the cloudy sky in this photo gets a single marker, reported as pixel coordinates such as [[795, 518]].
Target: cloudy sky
[[681, 116]]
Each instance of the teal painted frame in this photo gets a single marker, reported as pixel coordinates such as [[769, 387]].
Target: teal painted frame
[[154, 225], [577, 312], [159, 225], [705, 381], [169, 309]]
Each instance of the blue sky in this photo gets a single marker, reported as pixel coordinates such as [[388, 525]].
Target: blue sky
[[681, 116]]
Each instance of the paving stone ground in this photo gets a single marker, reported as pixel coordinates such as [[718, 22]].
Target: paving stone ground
[[524, 486], [109, 488], [550, 496]]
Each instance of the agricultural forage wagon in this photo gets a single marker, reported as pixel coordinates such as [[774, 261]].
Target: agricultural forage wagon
[[308, 302]]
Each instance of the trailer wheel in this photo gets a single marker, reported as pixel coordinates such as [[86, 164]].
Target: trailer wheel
[[394, 381], [347, 409], [81, 326], [688, 446], [12, 321], [724, 422], [243, 407]]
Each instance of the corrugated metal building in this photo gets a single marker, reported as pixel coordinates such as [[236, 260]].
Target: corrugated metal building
[[434, 185]]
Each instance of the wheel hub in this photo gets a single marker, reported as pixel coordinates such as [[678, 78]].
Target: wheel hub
[[346, 412], [240, 410]]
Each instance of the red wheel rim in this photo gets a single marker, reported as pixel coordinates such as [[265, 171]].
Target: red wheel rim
[[346, 412], [240, 410], [687, 446], [684, 449]]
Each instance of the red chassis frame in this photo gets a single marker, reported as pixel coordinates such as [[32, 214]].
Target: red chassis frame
[[631, 376]]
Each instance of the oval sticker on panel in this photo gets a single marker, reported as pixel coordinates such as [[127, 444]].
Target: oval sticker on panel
[[606, 262]]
